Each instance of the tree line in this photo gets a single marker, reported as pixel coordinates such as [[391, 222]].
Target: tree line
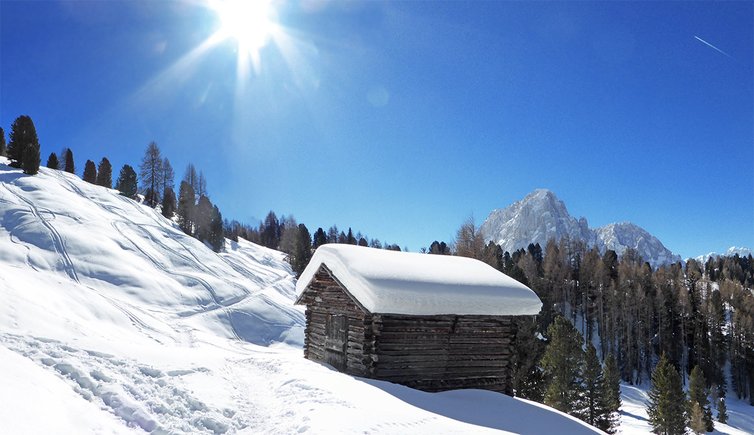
[[287, 235], [693, 317], [155, 181]]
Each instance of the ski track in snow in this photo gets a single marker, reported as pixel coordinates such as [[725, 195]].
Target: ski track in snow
[[57, 239]]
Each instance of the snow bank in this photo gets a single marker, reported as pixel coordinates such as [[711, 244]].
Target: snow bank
[[421, 284]]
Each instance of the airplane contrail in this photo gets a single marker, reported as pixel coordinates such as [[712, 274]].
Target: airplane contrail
[[710, 45]]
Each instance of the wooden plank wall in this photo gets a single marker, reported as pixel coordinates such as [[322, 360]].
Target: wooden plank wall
[[431, 353], [325, 296], [435, 353]]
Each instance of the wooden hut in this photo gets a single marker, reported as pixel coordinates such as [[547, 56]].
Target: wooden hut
[[430, 322]]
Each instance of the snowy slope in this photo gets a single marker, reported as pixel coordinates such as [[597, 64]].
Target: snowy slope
[[541, 216], [733, 250], [625, 235], [113, 321]]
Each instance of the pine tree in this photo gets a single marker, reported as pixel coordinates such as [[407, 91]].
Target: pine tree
[[2, 142], [90, 172], [126, 182], [439, 248], [698, 395], [202, 219], [168, 176], [722, 410], [303, 250], [186, 205], [105, 173], [320, 238], [271, 231], [168, 203], [666, 406], [150, 172], [23, 148], [594, 388], [52, 161], [216, 237], [562, 364], [68, 165], [31, 160], [611, 383]]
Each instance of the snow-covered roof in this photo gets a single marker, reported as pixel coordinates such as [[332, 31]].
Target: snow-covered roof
[[391, 282]]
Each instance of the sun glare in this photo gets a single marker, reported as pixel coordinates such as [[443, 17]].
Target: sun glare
[[250, 23]]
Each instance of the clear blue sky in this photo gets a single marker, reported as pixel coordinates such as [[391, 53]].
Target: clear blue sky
[[403, 118]]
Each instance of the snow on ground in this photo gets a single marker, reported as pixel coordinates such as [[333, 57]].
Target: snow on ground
[[634, 418], [113, 321]]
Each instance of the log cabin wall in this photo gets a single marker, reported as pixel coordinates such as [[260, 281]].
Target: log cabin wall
[[330, 310], [444, 352], [430, 353]]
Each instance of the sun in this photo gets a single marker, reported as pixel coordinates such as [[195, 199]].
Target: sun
[[250, 23]]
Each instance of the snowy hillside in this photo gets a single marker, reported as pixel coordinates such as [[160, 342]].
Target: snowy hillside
[[541, 216], [114, 321]]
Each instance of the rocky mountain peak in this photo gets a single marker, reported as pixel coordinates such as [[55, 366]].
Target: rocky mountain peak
[[541, 216]]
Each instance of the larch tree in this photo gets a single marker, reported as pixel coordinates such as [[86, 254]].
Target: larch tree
[[469, 241], [105, 173], [68, 163], [696, 419], [52, 161], [150, 173], [201, 185], [90, 172], [168, 176], [191, 177], [126, 183], [698, 394]]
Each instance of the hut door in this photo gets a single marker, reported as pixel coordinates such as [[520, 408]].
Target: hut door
[[336, 340]]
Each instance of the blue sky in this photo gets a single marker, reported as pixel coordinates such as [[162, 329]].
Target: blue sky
[[401, 119]]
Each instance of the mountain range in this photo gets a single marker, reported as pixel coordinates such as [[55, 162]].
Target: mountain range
[[541, 216]]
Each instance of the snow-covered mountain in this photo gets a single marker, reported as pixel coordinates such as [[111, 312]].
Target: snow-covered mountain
[[624, 235], [114, 321], [541, 216], [733, 250]]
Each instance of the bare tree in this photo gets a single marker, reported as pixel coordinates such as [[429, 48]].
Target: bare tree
[[469, 241]]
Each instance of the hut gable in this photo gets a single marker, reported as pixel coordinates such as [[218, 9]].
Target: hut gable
[[426, 321]]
